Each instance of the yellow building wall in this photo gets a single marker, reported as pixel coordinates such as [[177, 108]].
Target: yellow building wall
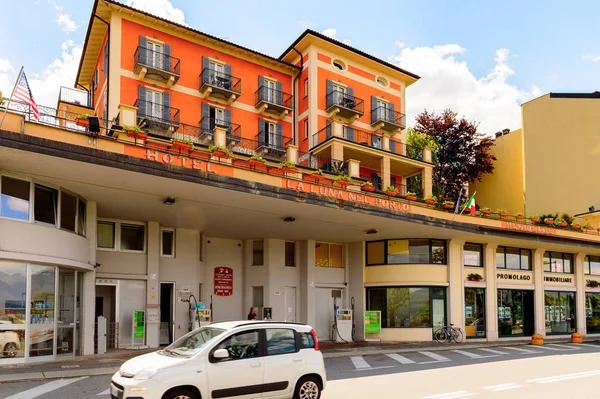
[[562, 152], [504, 187]]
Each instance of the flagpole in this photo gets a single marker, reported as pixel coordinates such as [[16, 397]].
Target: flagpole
[[11, 96], [458, 200], [461, 212]]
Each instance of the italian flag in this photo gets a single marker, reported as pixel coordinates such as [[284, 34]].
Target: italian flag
[[471, 205]]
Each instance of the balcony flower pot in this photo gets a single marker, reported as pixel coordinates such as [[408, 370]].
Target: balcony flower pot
[[534, 219], [519, 216], [256, 161], [431, 200], [502, 213], [563, 224], [486, 211], [157, 144], [474, 277], [549, 221], [83, 122], [576, 226], [137, 135], [411, 196], [318, 176], [287, 167], [592, 283], [368, 187], [590, 228], [219, 151], [391, 193], [448, 205], [181, 145]]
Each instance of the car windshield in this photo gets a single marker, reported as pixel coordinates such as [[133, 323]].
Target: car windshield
[[192, 342]]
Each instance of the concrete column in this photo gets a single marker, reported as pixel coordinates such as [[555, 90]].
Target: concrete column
[[353, 168], [88, 296], [127, 115], [292, 154], [427, 154], [307, 281], [538, 295], [220, 137], [491, 292], [427, 181], [456, 280], [337, 151], [385, 142], [337, 129], [152, 286], [385, 172], [355, 265], [580, 294]]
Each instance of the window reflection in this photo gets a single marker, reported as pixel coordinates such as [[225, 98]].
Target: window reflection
[[475, 312], [560, 312], [12, 343], [13, 282], [592, 312], [14, 198]]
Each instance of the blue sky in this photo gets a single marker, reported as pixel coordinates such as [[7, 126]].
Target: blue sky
[[482, 59]]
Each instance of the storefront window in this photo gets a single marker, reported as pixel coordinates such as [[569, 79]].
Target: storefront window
[[473, 255], [405, 307], [13, 283], [475, 312], [14, 198], [513, 258], [66, 311], [592, 313], [41, 332], [515, 313], [45, 204], [413, 251], [591, 265], [557, 262], [560, 312]]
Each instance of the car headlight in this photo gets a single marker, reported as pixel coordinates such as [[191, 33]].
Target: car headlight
[[144, 374]]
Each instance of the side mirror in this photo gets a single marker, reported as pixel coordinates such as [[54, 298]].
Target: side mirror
[[221, 354]]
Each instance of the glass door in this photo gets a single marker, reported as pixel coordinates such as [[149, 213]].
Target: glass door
[[43, 311], [438, 308], [67, 294], [338, 94], [270, 91], [382, 110], [217, 74], [155, 55], [153, 102]]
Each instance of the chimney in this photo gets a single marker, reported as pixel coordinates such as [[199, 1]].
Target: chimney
[[506, 131], [498, 134]]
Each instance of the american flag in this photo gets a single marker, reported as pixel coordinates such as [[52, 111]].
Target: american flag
[[23, 93]]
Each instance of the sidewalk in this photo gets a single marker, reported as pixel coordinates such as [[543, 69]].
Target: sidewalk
[[110, 362]]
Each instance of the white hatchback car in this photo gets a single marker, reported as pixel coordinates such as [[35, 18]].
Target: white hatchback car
[[242, 360]]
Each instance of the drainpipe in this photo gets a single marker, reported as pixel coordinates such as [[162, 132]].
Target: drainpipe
[[294, 92], [107, 67]]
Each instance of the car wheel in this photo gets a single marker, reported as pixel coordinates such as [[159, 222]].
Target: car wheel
[[181, 394], [308, 388], [10, 349]]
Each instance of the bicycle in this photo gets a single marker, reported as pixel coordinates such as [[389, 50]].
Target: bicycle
[[448, 333]]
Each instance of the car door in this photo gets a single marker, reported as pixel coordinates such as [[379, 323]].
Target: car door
[[284, 364], [241, 375]]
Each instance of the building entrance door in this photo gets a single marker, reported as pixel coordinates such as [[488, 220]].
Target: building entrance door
[[166, 313]]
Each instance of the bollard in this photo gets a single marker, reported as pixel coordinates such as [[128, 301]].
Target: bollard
[[537, 339], [576, 338]]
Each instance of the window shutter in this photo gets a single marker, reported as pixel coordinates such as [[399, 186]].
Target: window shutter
[[328, 129], [373, 109], [349, 100], [228, 73], [142, 103], [143, 50], [279, 94], [349, 133], [167, 57], [166, 106], [329, 88], [261, 88], [393, 146], [376, 180], [279, 139], [205, 117], [227, 113], [106, 59], [262, 132], [391, 114], [205, 68]]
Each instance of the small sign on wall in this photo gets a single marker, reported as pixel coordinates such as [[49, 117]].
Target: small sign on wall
[[223, 281]]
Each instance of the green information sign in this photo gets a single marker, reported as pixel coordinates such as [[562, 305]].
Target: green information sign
[[138, 324], [372, 322]]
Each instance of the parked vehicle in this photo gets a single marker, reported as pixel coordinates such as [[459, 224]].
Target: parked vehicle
[[243, 359]]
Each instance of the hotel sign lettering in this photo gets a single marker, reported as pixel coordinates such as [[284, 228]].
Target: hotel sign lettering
[[528, 228]]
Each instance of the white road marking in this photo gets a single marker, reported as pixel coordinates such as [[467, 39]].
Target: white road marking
[[438, 358], [375, 368], [565, 377], [400, 359], [551, 347], [522, 350], [565, 346], [360, 363], [592, 345], [472, 355], [107, 392], [502, 387], [494, 351], [44, 389], [450, 395]]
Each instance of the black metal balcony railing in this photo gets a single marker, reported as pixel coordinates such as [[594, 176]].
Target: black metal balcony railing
[[272, 140], [208, 125], [363, 137], [220, 80], [274, 97], [156, 60], [154, 115], [387, 115], [349, 102], [75, 96], [330, 165]]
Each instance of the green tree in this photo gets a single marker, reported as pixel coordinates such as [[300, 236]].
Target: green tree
[[416, 142]]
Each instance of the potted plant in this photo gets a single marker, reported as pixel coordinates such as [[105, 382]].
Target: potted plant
[[219, 152], [135, 132], [182, 144], [256, 160], [519, 216], [549, 221], [448, 204], [592, 283], [502, 212], [576, 225], [287, 167], [343, 181], [318, 175], [486, 211], [560, 222], [474, 277], [82, 120], [588, 226], [431, 199], [411, 196], [392, 191], [534, 218], [367, 186]]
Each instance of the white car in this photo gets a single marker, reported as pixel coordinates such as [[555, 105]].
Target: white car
[[242, 360]]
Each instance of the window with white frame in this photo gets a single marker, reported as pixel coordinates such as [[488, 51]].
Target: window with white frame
[[15, 198], [306, 128], [306, 87], [155, 54], [121, 236], [167, 243], [154, 100]]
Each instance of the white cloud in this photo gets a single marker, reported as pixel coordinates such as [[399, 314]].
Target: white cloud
[[64, 20], [303, 24], [18, 205], [45, 85], [447, 82], [332, 33], [160, 8], [589, 57]]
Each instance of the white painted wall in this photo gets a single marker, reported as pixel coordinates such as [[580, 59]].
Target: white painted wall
[[229, 253], [114, 262]]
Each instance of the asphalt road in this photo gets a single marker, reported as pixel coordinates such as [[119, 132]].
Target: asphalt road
[[551, 371]]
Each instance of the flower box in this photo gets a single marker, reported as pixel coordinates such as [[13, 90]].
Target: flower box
[[158, 145], [255, 162], [519, 217], [391, 193], [590, 228], [288, 169], [82, 122], [448, 206], [429, 202], [548, 221], [563, 224], [503, 214], [317, 177], [181, 146], [474, 279], [343, 183], [369, 188], [137, 136], [576, 226], [200, 154], [411, 197], [535, 219], [220, 154], [486, 211]]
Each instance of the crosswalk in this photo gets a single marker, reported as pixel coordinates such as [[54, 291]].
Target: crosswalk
[[373, 362]]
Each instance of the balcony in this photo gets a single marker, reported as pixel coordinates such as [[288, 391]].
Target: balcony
[[157, 119], [344, 105], [219, 84], [208, 126], [326, 164], [156, 65], [74, 100], [406, 150], [384, 118], [275, 100], [272, 144]]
